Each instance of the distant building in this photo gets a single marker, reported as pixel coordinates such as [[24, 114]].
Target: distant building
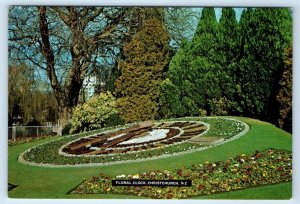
[[89, 87]]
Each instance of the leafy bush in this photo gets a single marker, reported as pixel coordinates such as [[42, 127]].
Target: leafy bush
[[66, 129], [113, 120], [138, 107], [169, 100], [93, 114], [202, 112], [284, 96], [219, 106]]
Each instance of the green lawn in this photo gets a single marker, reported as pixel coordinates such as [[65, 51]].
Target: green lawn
[[40, 182]]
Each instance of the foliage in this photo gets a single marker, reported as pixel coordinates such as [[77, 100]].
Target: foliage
[[183, 90], [113, 120], [230, 68], [29, 98], [194, 69], [202, 112], [263, 39], [228, 37], [93, 114], [65, 43], [169, 101], [180, 22], [219, 106], [206, 74], [66, 129], [284, 97], [243, 171], [146, 57]]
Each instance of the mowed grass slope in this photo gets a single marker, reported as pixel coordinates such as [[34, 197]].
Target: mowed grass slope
[[40, 182]]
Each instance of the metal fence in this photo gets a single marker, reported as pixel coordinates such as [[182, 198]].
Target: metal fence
[[15, 132]]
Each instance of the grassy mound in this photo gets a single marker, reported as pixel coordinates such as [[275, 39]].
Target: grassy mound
[[40, 182]]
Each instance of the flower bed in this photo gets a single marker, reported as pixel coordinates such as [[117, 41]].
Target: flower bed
[[223, 127], [50, 154], [152, 136], [244, 171], [134, 139]]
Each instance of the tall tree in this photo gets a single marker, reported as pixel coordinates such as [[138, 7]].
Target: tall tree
[[227, 55], [284, 96], [207, 75], [181, 23], [28, 97], [228, 37], [194, 69], [65, 42], [146, 57], [176, 91], [265, 33]]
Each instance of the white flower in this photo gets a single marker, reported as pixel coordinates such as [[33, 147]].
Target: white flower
[[136, 176], [121, 176], [242, 160], [214, 165], [236, 165], [153, 135]]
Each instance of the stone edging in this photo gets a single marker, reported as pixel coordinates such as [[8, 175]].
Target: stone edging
[[23, 161]]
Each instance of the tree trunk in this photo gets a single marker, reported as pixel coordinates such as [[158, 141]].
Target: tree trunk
[[82, 48], [67, 95]]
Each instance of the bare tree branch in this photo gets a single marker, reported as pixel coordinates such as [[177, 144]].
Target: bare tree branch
[[85, 20], [47, 50], [63, 15]]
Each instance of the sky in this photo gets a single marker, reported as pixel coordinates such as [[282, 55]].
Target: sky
[[41, 74]]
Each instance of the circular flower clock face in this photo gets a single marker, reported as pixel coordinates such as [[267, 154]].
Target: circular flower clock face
[[141, 137], [145, 141]]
